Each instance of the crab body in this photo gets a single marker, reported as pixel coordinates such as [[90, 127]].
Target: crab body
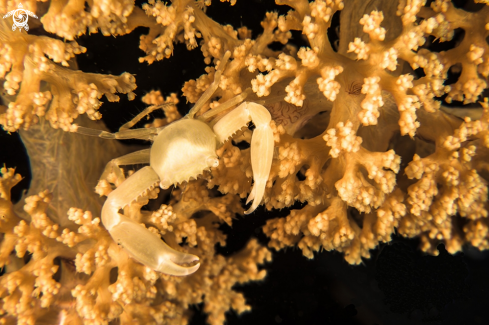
[[180, 151], [183, 150]]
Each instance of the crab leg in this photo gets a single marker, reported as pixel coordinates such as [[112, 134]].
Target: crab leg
[[133, 158], [142, 244], [143, 134], [142, 114], [212, 88], [261, 143]]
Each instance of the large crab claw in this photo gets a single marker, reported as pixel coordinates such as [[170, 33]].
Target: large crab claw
[[142, 244], [261, 144]]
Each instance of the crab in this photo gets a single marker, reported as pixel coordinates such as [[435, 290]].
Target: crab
[[181, 151]]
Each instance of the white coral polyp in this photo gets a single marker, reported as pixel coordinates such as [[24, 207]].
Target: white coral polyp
[[342, 138], [359, 47], [295, 94], [371, 25], [327, 84]]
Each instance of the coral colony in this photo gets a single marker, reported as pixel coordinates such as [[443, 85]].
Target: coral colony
[[361, 132]]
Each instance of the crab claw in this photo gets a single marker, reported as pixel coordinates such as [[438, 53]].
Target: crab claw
[[261, 143], [148, 248], [261, 161], [143, 245]]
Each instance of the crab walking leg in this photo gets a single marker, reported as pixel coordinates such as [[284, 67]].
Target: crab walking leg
[[143, 245], [212, 88], [133, 158], [261, 143], [225, 106], [143, 134], [142, 114]]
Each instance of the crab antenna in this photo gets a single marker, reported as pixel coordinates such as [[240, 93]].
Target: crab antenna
[[212, 88]]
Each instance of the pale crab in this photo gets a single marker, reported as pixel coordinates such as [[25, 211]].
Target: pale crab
[[180, 151]]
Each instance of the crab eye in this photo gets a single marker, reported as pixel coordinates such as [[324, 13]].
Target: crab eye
[[212, 161], [165, 184]]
